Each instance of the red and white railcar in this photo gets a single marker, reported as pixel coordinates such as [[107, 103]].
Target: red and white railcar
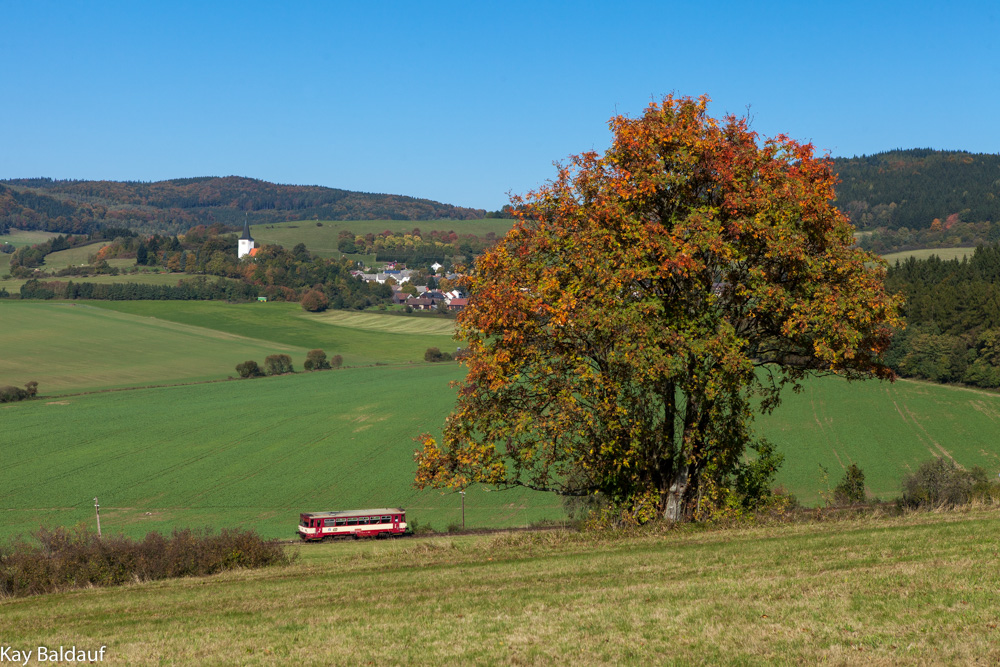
[[387, 521]]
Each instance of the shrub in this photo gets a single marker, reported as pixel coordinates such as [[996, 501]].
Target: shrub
[[336, 361], [278, 364], [851, 489], [11, 394], [316, 361], [62, 559], [249, 369], [941, 483], [315, 301], [434, 354]]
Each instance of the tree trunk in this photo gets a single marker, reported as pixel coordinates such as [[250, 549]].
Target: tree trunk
[[675, 496]]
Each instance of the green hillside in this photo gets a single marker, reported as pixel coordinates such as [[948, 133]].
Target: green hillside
[[83, 346], [69, 347], [400, 339], [76, 207], [322, 238]]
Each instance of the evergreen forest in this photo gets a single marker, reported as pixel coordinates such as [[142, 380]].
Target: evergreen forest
[[953, 318]]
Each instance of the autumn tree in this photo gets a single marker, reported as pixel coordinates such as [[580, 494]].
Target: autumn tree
[[646, 304]]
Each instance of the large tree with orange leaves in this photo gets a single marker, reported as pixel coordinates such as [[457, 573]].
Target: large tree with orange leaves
[[647, 303]]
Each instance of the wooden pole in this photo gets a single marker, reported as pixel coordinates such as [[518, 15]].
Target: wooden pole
[[97, 508]]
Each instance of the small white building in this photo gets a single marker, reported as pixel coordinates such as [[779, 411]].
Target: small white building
[[245, 244]]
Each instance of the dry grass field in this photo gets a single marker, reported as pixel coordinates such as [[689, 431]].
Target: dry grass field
[[915, 590]]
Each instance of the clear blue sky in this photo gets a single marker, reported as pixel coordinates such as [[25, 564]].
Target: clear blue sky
[[463, 102]]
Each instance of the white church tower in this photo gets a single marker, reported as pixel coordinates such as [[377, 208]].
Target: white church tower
[[245, 244]]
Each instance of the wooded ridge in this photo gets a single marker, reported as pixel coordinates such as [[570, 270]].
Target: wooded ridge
[[174, 206], [913, 188]]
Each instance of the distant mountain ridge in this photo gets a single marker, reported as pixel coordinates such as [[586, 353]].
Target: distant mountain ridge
[[912, 188], [173, 206]]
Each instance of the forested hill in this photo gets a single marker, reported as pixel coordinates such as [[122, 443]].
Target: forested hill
[[912, 188], [75, 207]]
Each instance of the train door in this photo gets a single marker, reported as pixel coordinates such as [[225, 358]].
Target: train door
[[395, 523]]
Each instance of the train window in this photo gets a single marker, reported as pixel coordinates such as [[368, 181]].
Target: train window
[[341, 522], [328, 522], [387, 519], [352, 522]]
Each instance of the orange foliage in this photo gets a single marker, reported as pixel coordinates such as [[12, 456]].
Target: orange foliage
[[617, 334]]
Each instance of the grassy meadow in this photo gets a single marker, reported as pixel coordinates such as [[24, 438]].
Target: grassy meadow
[[322, 239], [914, 590]]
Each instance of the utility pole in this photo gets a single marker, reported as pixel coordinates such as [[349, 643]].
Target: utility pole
[[463, 508], [97, 508]]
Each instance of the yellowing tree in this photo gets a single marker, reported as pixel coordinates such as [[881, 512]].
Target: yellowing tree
[[647, 303]]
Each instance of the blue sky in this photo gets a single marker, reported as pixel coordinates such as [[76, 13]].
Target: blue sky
[[464, 102]]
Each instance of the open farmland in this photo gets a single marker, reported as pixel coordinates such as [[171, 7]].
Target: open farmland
[[69, 346], [400, 339], [236, 441], [251, 452], [915, 590], [322, 239]]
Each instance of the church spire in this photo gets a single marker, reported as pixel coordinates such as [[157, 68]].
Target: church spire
[[245, 244], [246, 229]]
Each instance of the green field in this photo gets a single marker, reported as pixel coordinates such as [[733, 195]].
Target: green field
[[249, 452], [219, 446], [322, 240], [887, 429], [920, 590], [924, 253], [75, 257], [399, 340], [19, 237], [71, 346]]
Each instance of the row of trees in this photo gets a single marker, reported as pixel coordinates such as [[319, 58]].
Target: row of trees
[[192, 289], [281, 364]]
